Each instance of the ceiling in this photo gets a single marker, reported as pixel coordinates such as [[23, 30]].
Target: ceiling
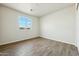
[[37, 9]]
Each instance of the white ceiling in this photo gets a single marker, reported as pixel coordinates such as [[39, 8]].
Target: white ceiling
[[38, 9]]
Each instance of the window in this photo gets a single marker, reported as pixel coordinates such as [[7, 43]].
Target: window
[[25, 22]]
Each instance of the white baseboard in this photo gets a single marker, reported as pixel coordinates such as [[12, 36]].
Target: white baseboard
[[60, 41]]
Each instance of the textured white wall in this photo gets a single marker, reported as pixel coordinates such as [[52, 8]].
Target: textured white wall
[[9, 24], [59, 26], [0, 26], [77, 27]]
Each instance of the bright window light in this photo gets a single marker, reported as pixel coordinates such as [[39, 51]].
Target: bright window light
[[25, 22]]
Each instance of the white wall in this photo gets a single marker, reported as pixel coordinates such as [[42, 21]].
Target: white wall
[[59, 26], [0, 26], [77, 27], [9, 25]]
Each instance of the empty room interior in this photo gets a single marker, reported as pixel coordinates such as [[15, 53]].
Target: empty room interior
[[39, 29]]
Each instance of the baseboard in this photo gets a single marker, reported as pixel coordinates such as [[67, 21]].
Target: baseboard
[[33, 38], [60, 41], [19, 41]]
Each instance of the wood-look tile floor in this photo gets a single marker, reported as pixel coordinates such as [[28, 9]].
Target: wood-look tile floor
[[39, 47]]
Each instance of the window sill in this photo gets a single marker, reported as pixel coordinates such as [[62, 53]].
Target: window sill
[[23, 28]]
